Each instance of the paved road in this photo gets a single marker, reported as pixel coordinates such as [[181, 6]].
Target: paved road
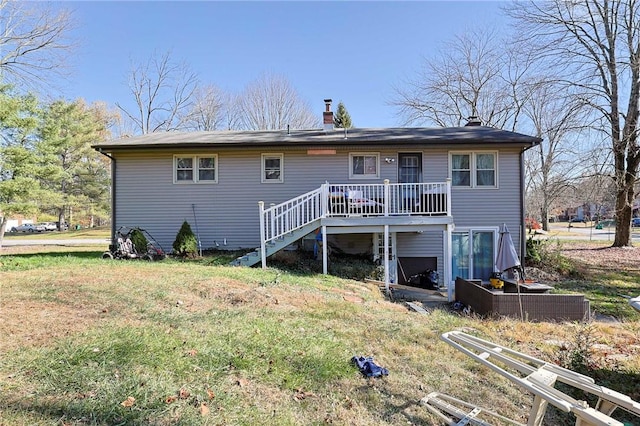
[[579, 233], [12, 242]]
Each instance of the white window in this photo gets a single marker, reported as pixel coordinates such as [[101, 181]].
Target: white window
[[272, 168], [474, 169], [195, 168], [364, 165]]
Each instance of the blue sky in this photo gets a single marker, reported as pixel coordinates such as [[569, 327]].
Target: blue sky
[[353, 52]]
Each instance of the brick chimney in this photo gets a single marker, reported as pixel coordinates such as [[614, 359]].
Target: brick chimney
[[327, 116]]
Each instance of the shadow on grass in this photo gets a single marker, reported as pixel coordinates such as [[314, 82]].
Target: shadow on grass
[[59, 254], [62, 413]]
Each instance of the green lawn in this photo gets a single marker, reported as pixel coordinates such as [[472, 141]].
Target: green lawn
[[84, 341]]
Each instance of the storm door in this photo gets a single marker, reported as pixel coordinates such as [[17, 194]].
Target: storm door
[[409, 168]]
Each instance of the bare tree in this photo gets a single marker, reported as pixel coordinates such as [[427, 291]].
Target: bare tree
[[34, 42], [163, 93], [475, 75], [271, 103], [553, 165], [595, 45], [209, 108], [233, 112]]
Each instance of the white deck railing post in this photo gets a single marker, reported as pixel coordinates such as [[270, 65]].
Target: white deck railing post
[[386, 197], [324, 202], [263, 235]]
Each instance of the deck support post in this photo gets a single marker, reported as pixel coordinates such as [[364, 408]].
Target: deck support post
[[263, 243], [386, 259], [448, 279], [325, 251]]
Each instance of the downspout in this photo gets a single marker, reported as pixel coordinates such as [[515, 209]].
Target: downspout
[[113, 193], [523, 229]]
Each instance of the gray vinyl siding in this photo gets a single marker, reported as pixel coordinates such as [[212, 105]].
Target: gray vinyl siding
[[147, 197], [491, 207]]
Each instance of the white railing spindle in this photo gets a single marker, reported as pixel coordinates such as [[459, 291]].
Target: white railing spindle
[[355, 200]]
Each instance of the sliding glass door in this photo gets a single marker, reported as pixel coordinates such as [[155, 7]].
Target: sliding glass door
[[473, 254]]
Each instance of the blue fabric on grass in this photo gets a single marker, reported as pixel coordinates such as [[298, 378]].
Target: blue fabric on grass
[[368, 367]]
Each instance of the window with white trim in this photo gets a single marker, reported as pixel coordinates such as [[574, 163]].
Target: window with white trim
[[195, 168], [272, 168], [364, 165], [474, 169]]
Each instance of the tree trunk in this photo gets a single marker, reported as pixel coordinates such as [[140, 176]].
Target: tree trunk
[[624, 211], [544, 219], [61, 219], [3, 228]]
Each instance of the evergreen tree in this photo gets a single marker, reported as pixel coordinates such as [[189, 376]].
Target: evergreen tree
[[342, 119], [73, 173], [19, 189], [186, 243]]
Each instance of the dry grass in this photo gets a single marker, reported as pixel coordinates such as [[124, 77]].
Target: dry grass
[[271, 320]]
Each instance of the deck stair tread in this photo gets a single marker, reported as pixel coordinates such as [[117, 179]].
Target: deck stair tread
[[255, 256]]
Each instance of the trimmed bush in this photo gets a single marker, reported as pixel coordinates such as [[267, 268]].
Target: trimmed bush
[[186, 243]]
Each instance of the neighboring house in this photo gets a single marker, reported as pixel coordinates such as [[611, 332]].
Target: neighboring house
[[439, 195]]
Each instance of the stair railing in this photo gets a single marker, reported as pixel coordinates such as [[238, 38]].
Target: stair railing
[[425, 199]]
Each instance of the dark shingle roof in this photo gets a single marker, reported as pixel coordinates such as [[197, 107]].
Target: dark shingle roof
[[472, 135]]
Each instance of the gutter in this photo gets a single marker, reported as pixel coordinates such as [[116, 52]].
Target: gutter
[[113, 193]]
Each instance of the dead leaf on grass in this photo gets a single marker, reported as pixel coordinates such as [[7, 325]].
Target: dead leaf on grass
[[300, 395], [211, 394], [192, 352], [184, 394], [128, 402], [242, 382], [204, 410], [170, 399]]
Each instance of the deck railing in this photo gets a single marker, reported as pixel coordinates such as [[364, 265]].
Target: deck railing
[[406, 199], [349, 200]]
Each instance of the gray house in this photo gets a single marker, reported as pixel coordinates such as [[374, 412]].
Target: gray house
[[414, 198]]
